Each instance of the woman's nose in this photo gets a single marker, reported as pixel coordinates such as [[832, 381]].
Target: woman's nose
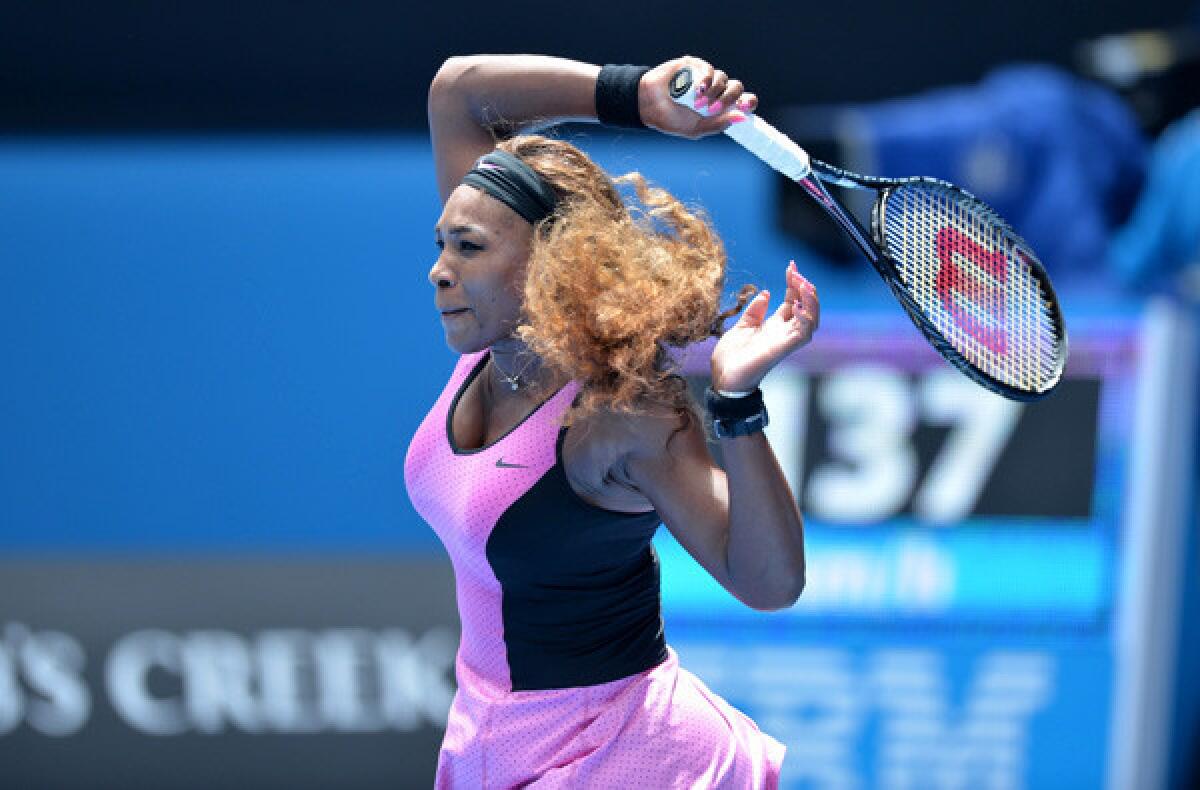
[[440, 275]]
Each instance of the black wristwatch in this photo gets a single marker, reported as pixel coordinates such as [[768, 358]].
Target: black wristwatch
[[732, 417]]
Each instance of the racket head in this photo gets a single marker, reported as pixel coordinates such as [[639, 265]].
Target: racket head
[[972, 285]]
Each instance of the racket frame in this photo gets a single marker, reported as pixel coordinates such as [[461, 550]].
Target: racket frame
[[780, 153]]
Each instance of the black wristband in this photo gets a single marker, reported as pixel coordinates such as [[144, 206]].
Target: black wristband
[[732, 417], [721, 408], [617, 96]]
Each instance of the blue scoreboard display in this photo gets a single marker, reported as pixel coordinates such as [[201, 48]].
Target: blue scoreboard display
[[969, 599]]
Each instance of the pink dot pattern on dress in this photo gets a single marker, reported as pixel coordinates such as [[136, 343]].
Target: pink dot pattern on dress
[[662, 728]]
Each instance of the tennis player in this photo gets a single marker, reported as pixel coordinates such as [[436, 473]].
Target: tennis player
[[565, 435]]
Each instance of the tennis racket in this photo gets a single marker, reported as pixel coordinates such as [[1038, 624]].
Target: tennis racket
[[970, 284]]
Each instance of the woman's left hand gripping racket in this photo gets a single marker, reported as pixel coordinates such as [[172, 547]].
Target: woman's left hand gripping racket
[[970, 284]]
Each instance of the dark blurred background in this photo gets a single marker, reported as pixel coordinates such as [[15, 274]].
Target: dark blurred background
[[277, 65]]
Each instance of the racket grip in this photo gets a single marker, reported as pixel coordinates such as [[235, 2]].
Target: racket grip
[[755, 135]]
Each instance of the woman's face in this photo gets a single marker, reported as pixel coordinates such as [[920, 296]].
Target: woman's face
[[479, 276]]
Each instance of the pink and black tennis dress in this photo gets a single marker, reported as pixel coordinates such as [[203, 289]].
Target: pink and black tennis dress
[[564, 675]]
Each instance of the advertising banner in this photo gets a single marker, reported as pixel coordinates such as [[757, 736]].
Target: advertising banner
[[225, 673]]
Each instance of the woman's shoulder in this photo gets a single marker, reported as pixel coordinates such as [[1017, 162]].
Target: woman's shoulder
[[648, 427]]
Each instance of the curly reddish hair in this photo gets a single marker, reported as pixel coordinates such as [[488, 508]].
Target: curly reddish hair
[[610, 287]]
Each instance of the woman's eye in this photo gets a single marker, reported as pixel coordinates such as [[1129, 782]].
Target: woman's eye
[[469, 246]]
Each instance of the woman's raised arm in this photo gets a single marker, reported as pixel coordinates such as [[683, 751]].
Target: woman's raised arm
[[475, 99]]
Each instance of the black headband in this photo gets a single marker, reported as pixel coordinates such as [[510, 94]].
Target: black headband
[[514, 183]]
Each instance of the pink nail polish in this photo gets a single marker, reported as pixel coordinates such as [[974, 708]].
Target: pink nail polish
[[737, 117], [743, 105], [700, 102], [716, 107]]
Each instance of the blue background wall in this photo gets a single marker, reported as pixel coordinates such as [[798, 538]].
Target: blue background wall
[[223, 343]]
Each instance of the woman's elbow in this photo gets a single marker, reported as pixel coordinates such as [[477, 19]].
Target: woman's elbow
[[450, 75], [782, 596], [791, 593]]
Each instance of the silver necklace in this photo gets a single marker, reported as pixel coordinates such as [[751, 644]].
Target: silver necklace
[[513, 381]]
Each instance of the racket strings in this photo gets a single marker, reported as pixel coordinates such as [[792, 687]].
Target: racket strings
[[973, 279]]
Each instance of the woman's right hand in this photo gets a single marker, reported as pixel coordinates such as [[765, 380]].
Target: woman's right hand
[[659, 111]]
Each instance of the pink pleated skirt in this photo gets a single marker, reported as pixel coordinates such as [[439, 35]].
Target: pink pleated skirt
[[661, 729]]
